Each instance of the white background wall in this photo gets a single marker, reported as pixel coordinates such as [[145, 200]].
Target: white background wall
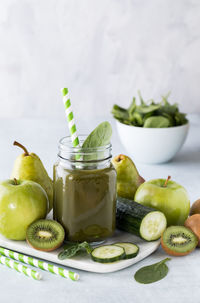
[[104, 51]]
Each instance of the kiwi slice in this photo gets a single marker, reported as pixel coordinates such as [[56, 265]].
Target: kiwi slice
[[46, 235], [178, 240]]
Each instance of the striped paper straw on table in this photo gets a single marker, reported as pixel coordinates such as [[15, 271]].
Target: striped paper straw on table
[[40, 264], [20, 268], [70, 117]]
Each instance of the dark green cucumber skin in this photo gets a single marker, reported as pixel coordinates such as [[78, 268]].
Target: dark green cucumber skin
[[131, 256], [130, 214]]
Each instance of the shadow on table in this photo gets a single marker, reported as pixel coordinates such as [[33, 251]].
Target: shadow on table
[[187, 156]]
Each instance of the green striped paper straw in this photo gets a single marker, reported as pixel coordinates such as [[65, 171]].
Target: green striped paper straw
[[70, 117], [40, 264], [20, 268]]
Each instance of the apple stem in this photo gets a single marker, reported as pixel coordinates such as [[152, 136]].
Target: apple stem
[[166, 181], [21, 146], [15, 181]]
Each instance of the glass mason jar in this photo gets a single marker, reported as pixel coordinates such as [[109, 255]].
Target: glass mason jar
[[84, 191]]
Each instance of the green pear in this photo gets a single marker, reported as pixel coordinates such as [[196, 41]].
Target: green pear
[[28, 166], [128, 178]]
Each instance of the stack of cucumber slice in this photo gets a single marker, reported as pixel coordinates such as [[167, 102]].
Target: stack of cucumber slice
[[142, 221], [114, 252]]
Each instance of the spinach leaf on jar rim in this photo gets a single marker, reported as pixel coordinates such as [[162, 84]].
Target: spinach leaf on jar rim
[[100, 136]]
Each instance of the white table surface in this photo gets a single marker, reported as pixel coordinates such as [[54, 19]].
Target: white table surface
[[182, 284]]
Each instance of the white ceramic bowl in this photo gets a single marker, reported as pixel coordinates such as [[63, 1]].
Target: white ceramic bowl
[[152, 145]]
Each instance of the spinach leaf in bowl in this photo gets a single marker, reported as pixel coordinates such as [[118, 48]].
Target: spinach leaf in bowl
[[157, 122], [150, 114]]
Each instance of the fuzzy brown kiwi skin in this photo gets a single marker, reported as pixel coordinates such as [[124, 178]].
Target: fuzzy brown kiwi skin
[[193, 223], [195, 208], [47, 249]]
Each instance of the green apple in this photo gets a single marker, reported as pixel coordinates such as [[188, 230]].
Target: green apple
[[21, 203], [167, 196]]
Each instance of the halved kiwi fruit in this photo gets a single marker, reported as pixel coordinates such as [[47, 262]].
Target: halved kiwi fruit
[[46, 235], [178, 241]]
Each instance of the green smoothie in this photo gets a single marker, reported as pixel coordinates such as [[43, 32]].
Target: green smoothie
[[84, 202]]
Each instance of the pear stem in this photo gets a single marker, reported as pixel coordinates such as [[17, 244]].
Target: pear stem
[[166, 181], [15, 181], [26, 153], [119, 158]]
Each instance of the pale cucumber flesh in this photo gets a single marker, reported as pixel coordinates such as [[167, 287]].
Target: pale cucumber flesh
[[153, 225], [108, 253], [131, 249]]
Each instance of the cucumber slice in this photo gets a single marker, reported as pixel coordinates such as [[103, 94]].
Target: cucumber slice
[[108, 253], [153, 225], [131, 249]]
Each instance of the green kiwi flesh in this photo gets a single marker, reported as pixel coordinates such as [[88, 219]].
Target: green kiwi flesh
[[46, 235], [178, 240]]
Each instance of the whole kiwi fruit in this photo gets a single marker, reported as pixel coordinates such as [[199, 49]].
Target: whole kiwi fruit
[[195, 208], [193, 223]]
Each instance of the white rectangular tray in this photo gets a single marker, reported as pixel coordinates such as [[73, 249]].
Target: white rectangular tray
[[84, 262]]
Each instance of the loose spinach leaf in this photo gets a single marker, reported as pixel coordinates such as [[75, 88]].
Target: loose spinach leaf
[[69, 252], [71, 249], [157, 122], [152, 273], [86, 246]]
